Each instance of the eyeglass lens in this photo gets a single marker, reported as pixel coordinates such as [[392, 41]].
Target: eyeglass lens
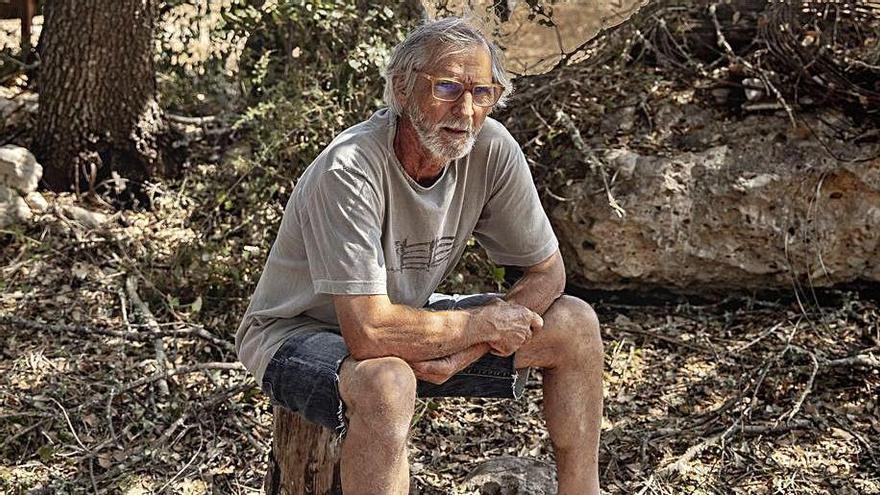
[[449, 90]]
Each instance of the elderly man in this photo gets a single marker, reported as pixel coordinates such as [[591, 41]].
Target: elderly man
[[344, 327]]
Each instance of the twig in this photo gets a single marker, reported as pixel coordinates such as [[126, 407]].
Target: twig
[[247, 435], [680, 464], [183, 119], [758, 338], [722, 42], [92, 474], [647, 486], [9, 440], [123, 308], [591, 159], [184, 468], [808, 388], [654, 332], [109, 411], [145, 450], [181, 370], [158, 344], [69, 424], [859, 360], [762, 429]]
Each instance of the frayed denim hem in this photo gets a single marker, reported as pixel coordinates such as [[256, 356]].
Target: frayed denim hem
[[342, 427]]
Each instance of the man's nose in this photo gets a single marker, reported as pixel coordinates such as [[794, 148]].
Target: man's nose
[[465, 104]]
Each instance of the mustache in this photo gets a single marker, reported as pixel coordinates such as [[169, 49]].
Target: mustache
[[462, 125]]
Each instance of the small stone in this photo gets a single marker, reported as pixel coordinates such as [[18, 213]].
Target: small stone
[[754, 88], [37, 202], [19, 168], [512, 475], [13, 209], [86, 218]]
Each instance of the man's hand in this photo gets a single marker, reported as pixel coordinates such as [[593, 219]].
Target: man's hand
[[508, 325], [439, 370]]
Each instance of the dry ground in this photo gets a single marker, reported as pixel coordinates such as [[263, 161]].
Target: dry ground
[[742, 396]]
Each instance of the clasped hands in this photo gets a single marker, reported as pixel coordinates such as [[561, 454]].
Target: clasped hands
[[507, 327]]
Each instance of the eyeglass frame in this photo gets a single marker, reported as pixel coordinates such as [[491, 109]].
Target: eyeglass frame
[[465, 87]]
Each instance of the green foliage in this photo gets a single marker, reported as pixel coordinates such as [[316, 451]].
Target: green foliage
[[197, 57], [309, 70], [302, 72]]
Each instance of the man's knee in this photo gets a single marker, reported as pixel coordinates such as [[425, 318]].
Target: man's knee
[[577, 325], [379, 392]]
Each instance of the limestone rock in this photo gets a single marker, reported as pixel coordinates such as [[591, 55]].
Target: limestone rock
[[512, 476], [13, 209], [19, 168], [36, 202], [86, 218], [752, 205]]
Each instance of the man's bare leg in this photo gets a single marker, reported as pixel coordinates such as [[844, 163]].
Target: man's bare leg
[[569, 349], [380, 399]]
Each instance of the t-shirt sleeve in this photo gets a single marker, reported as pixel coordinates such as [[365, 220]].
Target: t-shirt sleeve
[[342, 233], [513, 227]]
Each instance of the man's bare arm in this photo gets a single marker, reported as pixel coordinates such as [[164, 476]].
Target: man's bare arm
[[540, 285], [537, 289], [374, 327]]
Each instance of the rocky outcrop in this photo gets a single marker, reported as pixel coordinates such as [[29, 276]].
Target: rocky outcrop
[[19, 175], [752, 204], [512, 476]]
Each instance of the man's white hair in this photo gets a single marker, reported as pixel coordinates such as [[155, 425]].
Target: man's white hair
[[428, 44]]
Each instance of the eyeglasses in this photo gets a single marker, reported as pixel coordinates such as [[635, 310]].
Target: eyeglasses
[[449, 89]]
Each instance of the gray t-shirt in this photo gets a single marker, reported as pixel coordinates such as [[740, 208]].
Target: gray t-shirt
[[356, 223]]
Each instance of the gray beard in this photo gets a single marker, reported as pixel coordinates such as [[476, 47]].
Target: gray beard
[[431, 137]]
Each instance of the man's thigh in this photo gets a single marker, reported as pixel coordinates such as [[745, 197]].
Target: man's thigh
[[303, 376]]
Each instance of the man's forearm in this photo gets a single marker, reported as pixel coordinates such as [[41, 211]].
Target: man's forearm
[[540, 286], [418, 335]]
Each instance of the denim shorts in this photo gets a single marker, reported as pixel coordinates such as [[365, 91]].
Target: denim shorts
[[303, 375]]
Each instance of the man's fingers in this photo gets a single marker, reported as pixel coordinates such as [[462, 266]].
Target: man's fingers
[[537, 322], [501, 353], [432, 378]]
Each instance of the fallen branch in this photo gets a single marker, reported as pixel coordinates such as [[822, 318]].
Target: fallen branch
[[591, 159], [183, 370], [865, 360], [809, 387], [79, 330], [680, 464], [158, 343], [654, 332]]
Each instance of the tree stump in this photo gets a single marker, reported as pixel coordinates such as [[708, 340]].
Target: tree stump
[[304, 458]]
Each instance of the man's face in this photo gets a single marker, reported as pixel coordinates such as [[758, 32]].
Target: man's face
[[448, 129]]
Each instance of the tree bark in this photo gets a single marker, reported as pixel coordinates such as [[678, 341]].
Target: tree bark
[[304, 459], [98, 109]]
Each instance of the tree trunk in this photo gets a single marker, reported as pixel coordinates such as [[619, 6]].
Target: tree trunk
[[98, 111], [304, 458]]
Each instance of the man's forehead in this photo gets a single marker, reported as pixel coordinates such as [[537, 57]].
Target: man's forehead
[[471, 62]]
